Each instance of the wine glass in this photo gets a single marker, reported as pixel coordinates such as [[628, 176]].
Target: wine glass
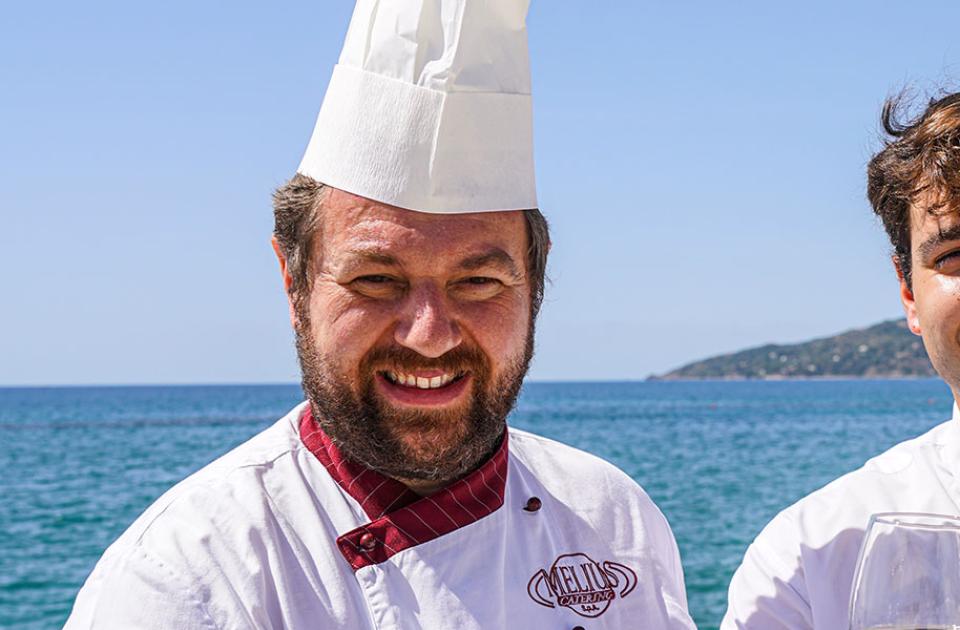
[[908, 574]]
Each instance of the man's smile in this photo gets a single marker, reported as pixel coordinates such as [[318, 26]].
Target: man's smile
[[421, 379], [428, 388]]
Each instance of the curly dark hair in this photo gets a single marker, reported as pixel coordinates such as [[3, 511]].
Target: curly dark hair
[[296, 208], [919, 163]]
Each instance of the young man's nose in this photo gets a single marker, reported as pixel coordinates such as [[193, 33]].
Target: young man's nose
[[427, 325]]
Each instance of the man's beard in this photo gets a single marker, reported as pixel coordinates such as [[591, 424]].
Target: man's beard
[[446, 444]]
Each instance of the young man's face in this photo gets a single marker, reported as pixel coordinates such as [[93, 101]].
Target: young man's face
[[416, 334], [932, 304]]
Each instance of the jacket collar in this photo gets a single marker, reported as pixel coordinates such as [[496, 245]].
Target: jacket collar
[[400, 518]]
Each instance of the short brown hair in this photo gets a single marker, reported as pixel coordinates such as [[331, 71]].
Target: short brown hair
[[296, 206], [920, 159]]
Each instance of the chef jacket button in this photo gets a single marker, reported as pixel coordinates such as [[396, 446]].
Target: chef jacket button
[[367, 541], [533, 504]]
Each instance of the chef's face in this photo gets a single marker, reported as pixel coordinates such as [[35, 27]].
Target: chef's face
[[932, 304], [416, 334]]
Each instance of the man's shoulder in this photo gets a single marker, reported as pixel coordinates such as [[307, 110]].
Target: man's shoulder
[[581, 478], [236, 478], [565, 461], [218, 512], [798, 570], [893, 481]]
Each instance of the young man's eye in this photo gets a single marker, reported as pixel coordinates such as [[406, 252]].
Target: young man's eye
[[948, 257]]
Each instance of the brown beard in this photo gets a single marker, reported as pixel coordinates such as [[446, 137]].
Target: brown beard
[[449, 443]]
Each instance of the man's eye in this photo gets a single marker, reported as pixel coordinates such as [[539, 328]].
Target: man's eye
[[948, 257], [478, 288], [374, 279], [481, 281], [377, 286]]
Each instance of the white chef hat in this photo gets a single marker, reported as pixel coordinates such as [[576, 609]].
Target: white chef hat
[[429, 108]]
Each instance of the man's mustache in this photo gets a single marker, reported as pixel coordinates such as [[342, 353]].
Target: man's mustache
[[459, 359]]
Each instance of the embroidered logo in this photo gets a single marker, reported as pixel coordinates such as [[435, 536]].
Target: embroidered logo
[[584, 586]]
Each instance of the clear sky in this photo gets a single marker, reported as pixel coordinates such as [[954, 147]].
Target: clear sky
[[702, 164]]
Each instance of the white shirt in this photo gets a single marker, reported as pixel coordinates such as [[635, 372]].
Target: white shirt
[[272, 535], [798, 572]]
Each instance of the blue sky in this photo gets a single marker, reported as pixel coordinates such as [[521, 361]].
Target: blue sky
[[702, 165]]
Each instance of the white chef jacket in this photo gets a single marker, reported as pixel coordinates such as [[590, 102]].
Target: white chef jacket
[[798, 573], [282, 532]]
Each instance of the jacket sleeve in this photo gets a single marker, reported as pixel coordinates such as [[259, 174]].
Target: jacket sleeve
[[139, 592], [667, 566], [768, 590], [676, 602]]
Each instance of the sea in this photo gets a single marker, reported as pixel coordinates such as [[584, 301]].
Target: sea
[[78, 464]]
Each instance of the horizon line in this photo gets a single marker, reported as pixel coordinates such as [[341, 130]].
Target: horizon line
[[536, 381]]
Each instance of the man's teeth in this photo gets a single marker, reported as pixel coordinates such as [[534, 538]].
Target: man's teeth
[[420, 382]]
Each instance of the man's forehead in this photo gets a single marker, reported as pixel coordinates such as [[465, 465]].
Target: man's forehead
[[351, 222], [931, 214], [932, 225]]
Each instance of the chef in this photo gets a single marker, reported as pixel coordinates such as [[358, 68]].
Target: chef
[[413, 257], [798, 573]]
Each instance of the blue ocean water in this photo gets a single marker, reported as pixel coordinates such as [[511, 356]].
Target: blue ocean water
[[720, 459]]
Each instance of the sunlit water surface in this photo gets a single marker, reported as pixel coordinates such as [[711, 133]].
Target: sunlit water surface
[[720, 459]]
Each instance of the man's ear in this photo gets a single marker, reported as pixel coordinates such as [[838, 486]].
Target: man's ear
[[907, 299], [287, 280]]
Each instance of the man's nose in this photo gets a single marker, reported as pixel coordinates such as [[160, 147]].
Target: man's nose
[[427, 326]]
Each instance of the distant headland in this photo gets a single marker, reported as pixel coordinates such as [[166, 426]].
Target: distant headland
[[885, 350]]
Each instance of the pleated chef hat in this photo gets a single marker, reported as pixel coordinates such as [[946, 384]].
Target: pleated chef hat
[[429, 108]]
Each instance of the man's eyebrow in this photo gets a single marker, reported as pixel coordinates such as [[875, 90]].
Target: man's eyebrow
[[952, 233], [357, 257], [495, 257]]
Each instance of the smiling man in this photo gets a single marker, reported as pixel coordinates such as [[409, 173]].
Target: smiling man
[[414, 331], [798, 573], [413, 256]]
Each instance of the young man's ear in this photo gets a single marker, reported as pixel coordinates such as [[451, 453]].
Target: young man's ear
[[907, 299], [287, 280]]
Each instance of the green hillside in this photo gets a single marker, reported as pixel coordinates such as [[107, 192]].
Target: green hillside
[[887, 349]]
